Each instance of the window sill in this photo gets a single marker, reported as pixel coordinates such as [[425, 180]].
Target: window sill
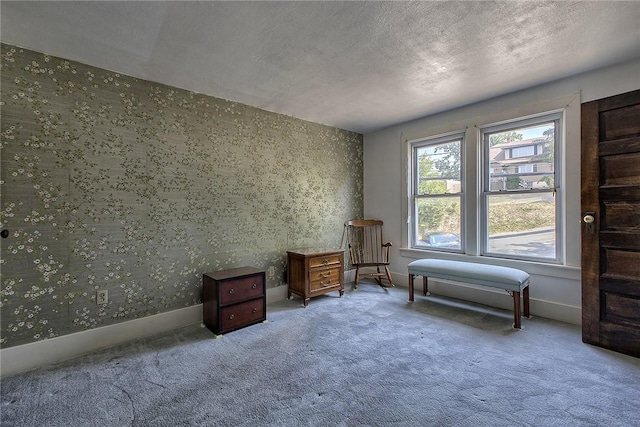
[[534, 268]]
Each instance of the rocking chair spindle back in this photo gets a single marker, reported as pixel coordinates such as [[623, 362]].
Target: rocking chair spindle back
[[366, 249]]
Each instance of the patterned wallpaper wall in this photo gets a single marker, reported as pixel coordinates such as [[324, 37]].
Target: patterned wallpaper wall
[[111, 182]]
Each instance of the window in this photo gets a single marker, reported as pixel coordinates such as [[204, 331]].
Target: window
[[522, 151], [519, 204], [437, 201], [523, 168], [502, 203]]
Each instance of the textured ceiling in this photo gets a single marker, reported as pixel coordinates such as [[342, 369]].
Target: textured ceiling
[[360, 66]]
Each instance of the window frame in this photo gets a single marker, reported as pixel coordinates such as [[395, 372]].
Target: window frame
[[557, 117], [507, 109], [473, 242], [414, 145]]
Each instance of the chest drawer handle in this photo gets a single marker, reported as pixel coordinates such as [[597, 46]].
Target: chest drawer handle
[[231, 290], [254, 310], [324, 276], [254, 286], [326, 284], [325, 261], [231, 317]]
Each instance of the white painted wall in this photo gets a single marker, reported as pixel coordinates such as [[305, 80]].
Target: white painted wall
[[555, 290]]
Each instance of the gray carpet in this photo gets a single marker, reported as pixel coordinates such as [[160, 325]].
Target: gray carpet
[[367, 359]]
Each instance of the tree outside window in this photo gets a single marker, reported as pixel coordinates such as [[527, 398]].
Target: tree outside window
[[438, 193]]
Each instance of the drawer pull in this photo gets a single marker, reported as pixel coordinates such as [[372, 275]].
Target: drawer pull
[[324, 276], [231, 290], [254, 286], [326, 284], [325, 261], [254, 310], [232, 316]]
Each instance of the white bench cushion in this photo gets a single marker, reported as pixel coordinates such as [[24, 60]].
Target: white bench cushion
[[469, 272]]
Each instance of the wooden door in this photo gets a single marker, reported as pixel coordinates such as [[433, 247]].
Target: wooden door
[[611, 243]]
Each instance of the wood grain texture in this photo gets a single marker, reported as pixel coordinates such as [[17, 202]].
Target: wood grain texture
[[590, 243], [611, 255]]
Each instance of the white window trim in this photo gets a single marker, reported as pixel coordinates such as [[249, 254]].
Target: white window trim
[[570, 105]]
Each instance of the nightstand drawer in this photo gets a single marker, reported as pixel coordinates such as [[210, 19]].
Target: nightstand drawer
[[243, 314], [241, 289], [325, 278], [325, 261]]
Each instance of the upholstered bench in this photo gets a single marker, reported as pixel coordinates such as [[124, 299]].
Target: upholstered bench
[[512, 280]]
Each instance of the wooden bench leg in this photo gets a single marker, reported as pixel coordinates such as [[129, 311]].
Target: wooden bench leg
[[425, 285], [516, 310], [411, 287], [525, 300]]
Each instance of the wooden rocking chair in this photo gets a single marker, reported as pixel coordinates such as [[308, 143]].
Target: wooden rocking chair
[[364, 239]]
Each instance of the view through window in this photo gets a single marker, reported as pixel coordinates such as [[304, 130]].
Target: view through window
[[437, 198], [520, 186], [516, 213]]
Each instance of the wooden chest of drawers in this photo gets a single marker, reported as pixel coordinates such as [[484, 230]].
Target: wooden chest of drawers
[[233, 299], [313, 272]]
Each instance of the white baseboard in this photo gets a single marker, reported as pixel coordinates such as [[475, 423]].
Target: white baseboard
[[278, 293], [41, 353], [493, 298]]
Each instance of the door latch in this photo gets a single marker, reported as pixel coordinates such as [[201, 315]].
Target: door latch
[[589, 219]]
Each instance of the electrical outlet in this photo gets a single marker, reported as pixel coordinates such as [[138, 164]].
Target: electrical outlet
[[272, 272], [102, 297]]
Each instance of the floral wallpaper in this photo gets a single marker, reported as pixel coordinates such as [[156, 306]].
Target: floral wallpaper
[[112, 182]]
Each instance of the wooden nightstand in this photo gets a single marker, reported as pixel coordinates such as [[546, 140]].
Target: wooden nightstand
[[313, 272], [233, 299]]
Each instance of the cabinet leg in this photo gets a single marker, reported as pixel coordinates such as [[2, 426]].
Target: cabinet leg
[[306, 301]]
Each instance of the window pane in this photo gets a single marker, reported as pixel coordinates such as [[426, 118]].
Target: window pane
[[522, 225], [522, 158], [438, 167], [523, 151], [438, 222]]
